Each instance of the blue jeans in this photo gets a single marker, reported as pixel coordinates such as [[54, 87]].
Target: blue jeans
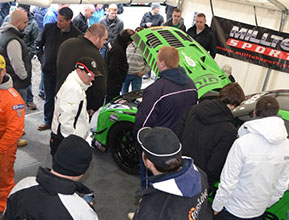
[[23, 93], [103, 51], [41, 86], [225, 215], [29, 94], [49, 80], [132, 79]]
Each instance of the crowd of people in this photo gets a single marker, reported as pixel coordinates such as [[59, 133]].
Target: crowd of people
[[184, 146]]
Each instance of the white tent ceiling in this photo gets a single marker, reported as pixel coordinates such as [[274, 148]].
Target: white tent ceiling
[[280, 5]]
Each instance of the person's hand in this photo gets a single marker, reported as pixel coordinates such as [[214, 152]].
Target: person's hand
[[149, 24], [215, 212], [140, 74], [90, 112]]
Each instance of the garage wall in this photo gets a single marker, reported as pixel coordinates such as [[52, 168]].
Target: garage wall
[[250, 76]]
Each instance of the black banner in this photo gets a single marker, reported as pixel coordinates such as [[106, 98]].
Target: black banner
[[252, 44]]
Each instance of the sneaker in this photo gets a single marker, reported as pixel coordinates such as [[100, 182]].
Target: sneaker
[[31, 106], [130, 215], [21, 143], [43, 127]]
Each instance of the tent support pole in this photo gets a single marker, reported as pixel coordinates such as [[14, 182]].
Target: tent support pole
[[268, 74]]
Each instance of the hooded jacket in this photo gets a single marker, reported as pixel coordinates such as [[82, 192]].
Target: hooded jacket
[[180, 25], [48, 197], [206, 38], [256, 172], [156, 20], [14, 50], [166, 100], [207, 133], [178, 195]]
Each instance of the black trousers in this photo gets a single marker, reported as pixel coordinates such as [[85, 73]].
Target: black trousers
[[55, 141], [225, 215], [113, 90]]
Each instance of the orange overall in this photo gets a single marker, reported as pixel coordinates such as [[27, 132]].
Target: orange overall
[[12, 112]]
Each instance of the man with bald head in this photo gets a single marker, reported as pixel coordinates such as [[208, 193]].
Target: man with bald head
[[93, 39], [80, 21], [15, 51]]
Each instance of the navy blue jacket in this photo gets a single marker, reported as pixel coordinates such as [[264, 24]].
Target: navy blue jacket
[[166, 100]]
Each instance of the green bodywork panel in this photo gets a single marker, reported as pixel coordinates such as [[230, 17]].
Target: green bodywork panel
[[199, 65], [284, 114]]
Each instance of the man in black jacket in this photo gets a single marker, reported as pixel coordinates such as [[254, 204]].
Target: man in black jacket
[[153, 17], [178, 189], [207, 131], [54, 193], [90, 44], [176, 20], [117, 63], [203, 34], [80, 21], [48, 44], [167, 99]]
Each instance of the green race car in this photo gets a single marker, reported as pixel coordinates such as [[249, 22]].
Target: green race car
[[115, 119]]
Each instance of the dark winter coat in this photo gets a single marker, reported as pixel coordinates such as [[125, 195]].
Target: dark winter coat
[[180, 25], [188, 197], [69, 53], [8, 34], [166, 100], [49, 42], [114, 27], [117, 61], [48, 197], [156, 20], [206, 38], [207, 133], [80, 22]]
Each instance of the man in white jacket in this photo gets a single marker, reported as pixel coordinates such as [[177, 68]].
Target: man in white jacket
[[70, 113], [256, 172]]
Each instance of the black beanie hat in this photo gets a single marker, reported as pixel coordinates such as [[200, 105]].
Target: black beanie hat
[[25, 7], [72, 157]]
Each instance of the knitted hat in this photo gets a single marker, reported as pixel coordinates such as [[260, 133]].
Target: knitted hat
[[159, 144], [2, 62], [72, 157], [88, 65], [155, 5]]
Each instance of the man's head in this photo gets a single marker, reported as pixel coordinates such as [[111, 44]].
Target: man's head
[[176, 16], [72, 157], [23, 7], [232, 95], [168, 58], [19, 19], [200, 21], [162, 149], [88, 11], [156, 8], [87, 69], [60, 6], [227, 69], [64, 17], [126, 35], [2, 68], [112, 11], [266, 106], [99, 6], [97, 34]]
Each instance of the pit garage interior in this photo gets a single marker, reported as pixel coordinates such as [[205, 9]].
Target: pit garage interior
[[115, 190]]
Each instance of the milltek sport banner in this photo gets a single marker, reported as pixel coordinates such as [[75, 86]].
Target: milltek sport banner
[[252, 44]]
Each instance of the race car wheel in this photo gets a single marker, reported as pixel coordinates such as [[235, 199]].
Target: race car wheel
[[122, 147]]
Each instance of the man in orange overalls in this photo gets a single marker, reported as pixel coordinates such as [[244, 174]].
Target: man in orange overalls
[[12, 112]]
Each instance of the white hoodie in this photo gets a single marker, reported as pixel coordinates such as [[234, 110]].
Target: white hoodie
[[256, 172]]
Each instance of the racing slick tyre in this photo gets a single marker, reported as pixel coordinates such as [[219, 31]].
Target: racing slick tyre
[[122, 147]]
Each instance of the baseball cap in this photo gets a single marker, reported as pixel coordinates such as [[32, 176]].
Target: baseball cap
[[72, 157], [160, 144], [2, 62], [88, 65]]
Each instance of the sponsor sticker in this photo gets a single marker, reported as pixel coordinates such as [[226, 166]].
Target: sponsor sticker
[[19, 113], [113, 117], [19, 106]]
